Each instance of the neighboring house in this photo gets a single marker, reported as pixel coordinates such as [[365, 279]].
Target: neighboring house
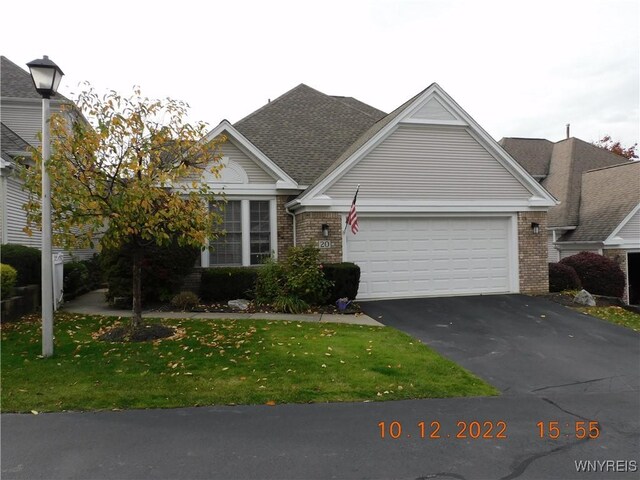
[[21, 122], [600, 200], [442, 208]]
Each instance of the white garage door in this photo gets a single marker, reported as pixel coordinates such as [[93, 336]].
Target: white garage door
[[410, 257]]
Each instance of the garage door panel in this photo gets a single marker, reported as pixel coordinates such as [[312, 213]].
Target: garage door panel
[[431, 256]]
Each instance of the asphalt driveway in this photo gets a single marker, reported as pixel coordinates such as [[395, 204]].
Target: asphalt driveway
[[521, 344], [552, 364]]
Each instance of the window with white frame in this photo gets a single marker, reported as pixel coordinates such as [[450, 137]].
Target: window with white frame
[[248, 234], [227, 248], [260, 231]]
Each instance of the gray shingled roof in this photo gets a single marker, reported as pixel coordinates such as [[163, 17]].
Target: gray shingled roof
[[15, 82], [11, 142], [568, 160], [608, 196], [533, 154], [304, 130]]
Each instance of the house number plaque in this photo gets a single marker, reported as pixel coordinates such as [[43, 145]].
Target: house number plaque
[[324, 243]]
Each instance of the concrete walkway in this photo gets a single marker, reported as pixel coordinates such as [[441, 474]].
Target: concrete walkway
[[94, 303]]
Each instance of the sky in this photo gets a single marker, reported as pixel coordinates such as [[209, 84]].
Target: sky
[[520, 68]]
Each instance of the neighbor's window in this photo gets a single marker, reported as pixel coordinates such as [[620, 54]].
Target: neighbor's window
[[227, 248]]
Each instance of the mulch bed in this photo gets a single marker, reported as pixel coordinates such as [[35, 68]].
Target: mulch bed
[[222, 307]]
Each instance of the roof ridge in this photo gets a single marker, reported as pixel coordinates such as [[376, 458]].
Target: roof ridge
[[277, 99], [623, 164], [353, 107]]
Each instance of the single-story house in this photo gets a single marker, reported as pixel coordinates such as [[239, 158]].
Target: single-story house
[[442, 208], [599, 193], [21, 122]]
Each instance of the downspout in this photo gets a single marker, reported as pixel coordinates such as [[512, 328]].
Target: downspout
[[293, 215]]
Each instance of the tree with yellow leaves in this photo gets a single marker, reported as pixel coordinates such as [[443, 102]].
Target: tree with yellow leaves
[[128, 172]]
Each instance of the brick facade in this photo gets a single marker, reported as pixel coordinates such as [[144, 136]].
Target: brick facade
[[532, 253], [620, 257], [285, 226], [309, 232]]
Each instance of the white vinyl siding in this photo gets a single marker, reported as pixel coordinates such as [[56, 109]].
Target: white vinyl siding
[[16, 220], [411, 257], [433, 110], [553, 255], [255, 173], [631, 230], [429, 163], [17, 217], [24, 120]]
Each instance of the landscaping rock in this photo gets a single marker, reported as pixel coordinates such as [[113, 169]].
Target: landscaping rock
[[584, 298], [239, 304]]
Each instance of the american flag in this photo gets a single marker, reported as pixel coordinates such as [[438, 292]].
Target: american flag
[[352, 218]]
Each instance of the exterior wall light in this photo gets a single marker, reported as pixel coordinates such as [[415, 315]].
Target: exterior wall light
[[325, 230], [535, 227]]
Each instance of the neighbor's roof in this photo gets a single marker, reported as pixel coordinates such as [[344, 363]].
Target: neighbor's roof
[[562, 165], [533, 154], [608, 195], [15, 82], [11, 142], [304, 131]]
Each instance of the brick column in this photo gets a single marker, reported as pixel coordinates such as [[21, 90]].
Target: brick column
[[309, 232], [532, 253], [620, 257], [285, 226]]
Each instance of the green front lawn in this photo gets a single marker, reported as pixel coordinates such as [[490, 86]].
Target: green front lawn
[[617, 315], [222, 362]]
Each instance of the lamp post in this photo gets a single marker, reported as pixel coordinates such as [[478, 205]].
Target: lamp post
[[46, 77]]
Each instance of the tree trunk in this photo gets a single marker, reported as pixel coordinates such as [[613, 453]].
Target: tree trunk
[[136, 319]]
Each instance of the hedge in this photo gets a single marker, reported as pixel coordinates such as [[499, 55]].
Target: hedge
[[75, 280], [228, 283], [8, 276], [26, 261], [345, 278], [163, 271], [563, 277], [599, 275]]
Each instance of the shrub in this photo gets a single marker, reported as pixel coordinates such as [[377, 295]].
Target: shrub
[[163, 270], [76, 279], [185, 301], [304, 277], [228, 283], [270, 282], [8, 277], [563, 277], [345, 278], [295, 283], [599, 275], [25, 260], [289, 304], [94, 269]]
